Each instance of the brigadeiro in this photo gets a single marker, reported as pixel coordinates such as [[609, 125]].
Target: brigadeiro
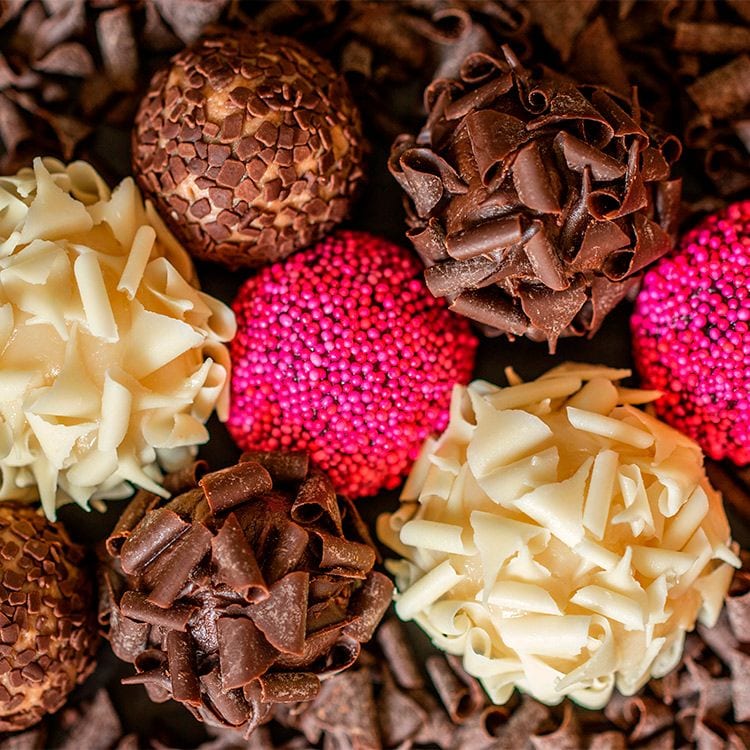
[[535, 203], [246, 590], [342, 351], [250, 145], [690, 334], [48, 634]]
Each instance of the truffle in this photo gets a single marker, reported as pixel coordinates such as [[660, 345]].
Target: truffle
[[112, 358], [535, 203], [342, 351], [48, 635], [247, 589], [249, 145], [691, 329], [560, 539]]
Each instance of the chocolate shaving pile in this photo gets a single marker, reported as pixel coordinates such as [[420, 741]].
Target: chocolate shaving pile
[[246, 590], [384, 48], [689, 60], [67, 64], [535, 203], [91, 725]]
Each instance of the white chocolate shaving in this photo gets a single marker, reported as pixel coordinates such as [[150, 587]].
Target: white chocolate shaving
[[109, 351], [558, 539]]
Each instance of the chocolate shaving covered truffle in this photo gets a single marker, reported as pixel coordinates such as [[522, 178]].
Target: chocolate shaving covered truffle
[[535, 203], [231, 597], [48, 633], [250, 146]]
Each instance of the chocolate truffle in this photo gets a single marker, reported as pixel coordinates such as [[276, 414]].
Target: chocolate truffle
[[534, 202], [48, 634], [342, 351], [112, 357], [246, 590], [560, 539], [691, 334], [250, 146]]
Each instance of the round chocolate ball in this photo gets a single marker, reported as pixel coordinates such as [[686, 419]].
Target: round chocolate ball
[[250, 146], [48, 632]]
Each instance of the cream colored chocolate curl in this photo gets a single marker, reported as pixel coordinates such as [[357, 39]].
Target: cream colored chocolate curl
[[111, 359], [559, 539]]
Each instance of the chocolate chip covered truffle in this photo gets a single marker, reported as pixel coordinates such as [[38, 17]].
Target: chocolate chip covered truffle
[[246, 590], [534, 202], [250, 145], [48, 634]]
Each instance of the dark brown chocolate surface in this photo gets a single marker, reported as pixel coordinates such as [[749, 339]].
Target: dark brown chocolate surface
[[250, 588], [535, 203]]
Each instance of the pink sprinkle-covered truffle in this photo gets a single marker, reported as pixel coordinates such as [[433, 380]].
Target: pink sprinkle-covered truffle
[[342, 350], [691, 337]]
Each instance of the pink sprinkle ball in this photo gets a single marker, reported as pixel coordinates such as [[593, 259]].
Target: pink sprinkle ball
[[691, 337], [342, 351]]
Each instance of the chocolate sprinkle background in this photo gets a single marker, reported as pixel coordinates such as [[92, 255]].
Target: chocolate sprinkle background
[[387, 64]]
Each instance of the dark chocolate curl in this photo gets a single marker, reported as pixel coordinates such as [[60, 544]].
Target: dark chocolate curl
[[368, 604], [186, 478], [493, 137], [450, 277], [137, 607], [244, 653], [151, 537], [182, 668], [491, 308], [142, 502], [175, 567], [401, 718], [535, 181], [459, 699], [579, 155], [316, 499], [484, 238], [724, 91], [545, 260], [230, 705], [127, 637], [235, 562], [291, 687], [290, 466], [234, 485], [343, 554], [567, 736], [564, 186], [346, 705], [395, 646], [282, 616]]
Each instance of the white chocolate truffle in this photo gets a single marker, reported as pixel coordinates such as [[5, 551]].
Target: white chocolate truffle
[[112, 359], [559, 539]]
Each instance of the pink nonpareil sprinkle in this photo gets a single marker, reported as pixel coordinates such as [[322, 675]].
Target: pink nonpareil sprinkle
[[341, 350], [691, 336]]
